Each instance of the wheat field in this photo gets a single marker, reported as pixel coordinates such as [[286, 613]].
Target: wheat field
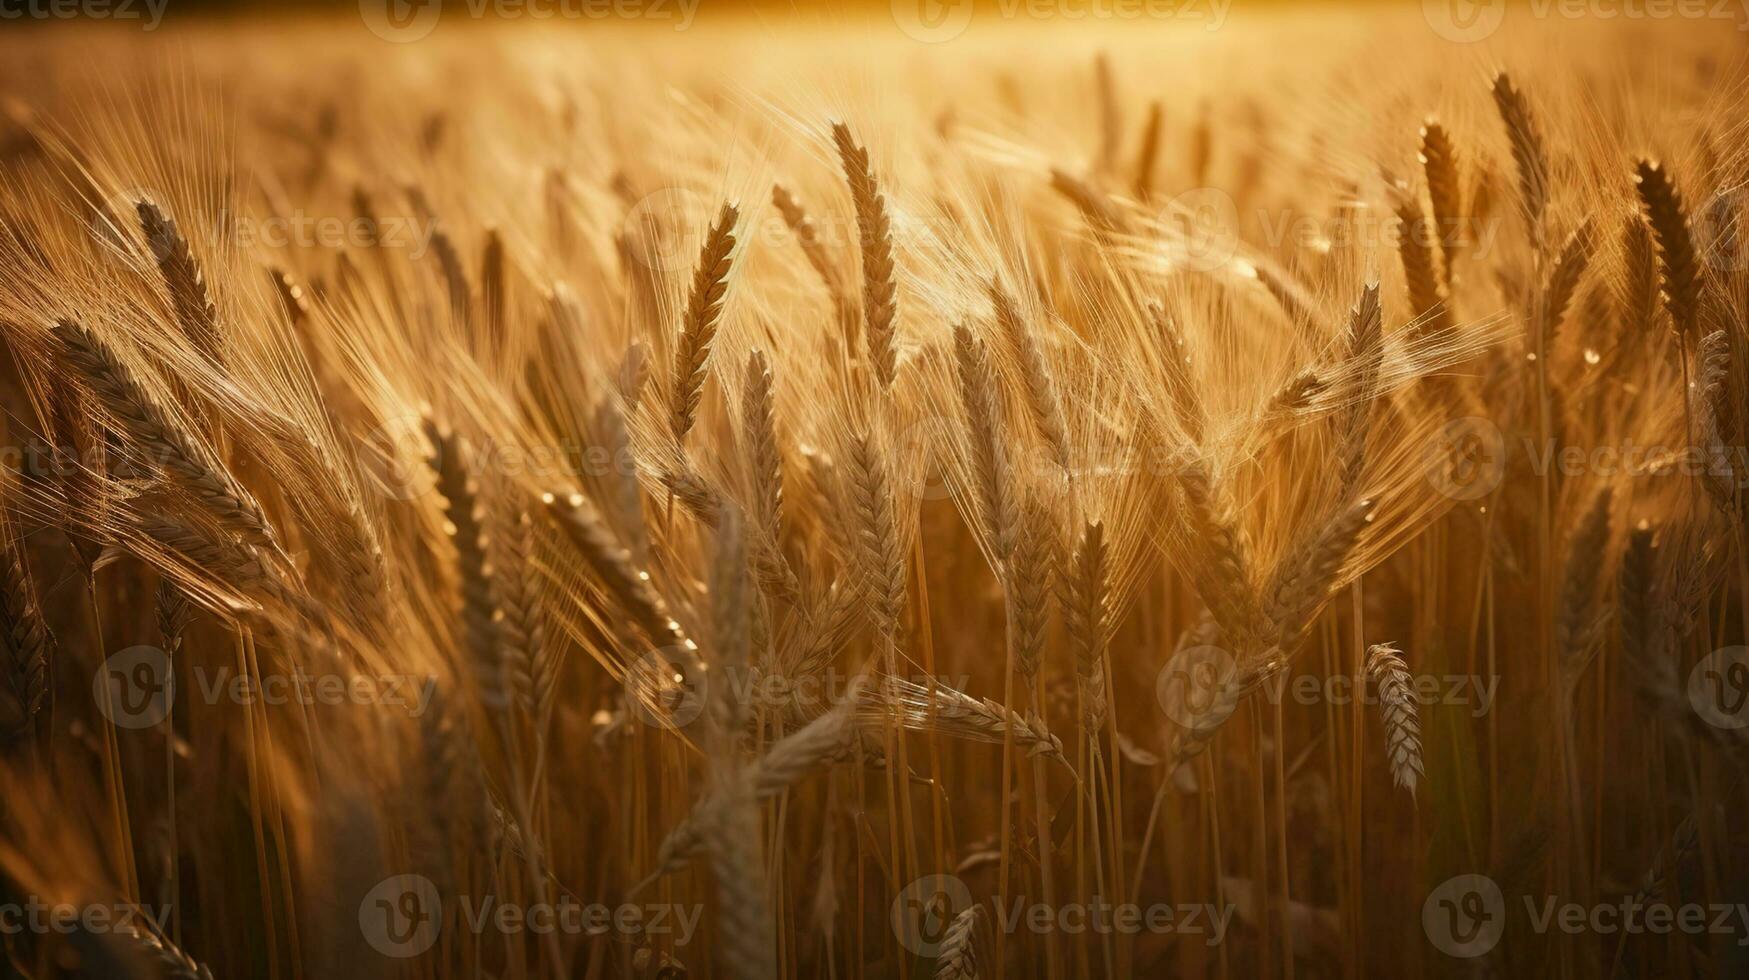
[[783, 498]]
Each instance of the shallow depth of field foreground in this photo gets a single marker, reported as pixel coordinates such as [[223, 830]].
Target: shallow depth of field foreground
[[788, 499]]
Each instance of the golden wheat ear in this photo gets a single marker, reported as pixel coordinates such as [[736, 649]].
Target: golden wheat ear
[[1679, 271], [698, 325], [875, 237]]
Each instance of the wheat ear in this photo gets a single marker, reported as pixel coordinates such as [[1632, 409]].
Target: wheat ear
[[1439, 163], [698, 326], [1030, 577], [1180, 385], [189, 299], [765, 463], [1385, 666], [875, 237], [1679, 272], [1147, 157], [982, 404], [879, 548], [1087, 613], [1564, 279], [808, 239], [465, 518], [958, 956], [169, 444], [28, 643], [1042, 400], [1528, 152], [1637, 289], [1425, 296], [614, 568]]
